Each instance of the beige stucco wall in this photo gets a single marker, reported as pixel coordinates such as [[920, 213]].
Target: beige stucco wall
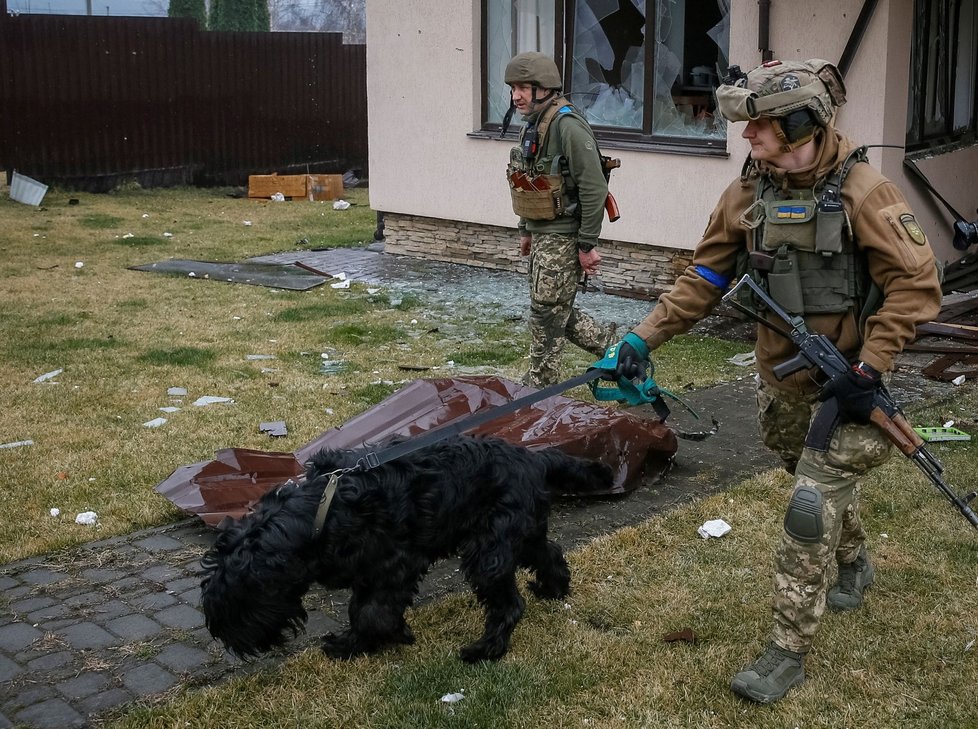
[[423, 102]]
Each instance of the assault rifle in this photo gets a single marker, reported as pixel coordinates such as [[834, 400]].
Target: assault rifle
[[817, 350]]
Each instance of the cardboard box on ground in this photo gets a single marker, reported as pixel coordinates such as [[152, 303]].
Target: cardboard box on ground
[[296, 187]]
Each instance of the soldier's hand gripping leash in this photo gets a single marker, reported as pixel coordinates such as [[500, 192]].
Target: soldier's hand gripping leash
[[630, 367], [817, 350]]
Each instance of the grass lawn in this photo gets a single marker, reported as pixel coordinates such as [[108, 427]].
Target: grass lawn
[[122, 338]]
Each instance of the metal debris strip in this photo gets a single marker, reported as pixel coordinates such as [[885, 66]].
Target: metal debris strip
[[633, 447], [279, 276]]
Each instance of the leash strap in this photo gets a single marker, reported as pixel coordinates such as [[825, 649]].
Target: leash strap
[[327, 498], [372, 459], [375, 458]]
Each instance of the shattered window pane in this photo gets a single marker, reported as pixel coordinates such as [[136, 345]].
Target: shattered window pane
[[514, 26], [606, 74]]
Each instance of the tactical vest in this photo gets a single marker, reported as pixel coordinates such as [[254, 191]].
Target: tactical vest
[[802, 249], [538, 183]]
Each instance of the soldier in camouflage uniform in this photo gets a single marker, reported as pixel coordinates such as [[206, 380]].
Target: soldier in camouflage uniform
[[558, 188], [834, 241]]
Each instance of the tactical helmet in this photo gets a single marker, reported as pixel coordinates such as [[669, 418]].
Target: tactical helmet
[[534, 68], [796, 96]]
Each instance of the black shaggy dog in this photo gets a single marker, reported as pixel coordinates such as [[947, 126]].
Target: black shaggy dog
[[480, 498]]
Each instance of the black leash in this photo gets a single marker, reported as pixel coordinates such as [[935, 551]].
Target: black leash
[[373, 459]]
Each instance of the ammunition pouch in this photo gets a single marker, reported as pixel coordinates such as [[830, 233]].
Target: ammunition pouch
[[537, 204]]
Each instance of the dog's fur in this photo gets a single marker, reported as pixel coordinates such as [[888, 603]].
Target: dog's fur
[[480, 498]]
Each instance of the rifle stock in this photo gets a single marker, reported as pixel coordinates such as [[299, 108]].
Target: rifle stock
[[817, 350]]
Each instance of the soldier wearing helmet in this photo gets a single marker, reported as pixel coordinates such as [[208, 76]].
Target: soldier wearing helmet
[[558, 189], [835, 242]]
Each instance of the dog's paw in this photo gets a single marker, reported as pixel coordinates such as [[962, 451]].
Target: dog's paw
[[548, 591], [482, 651], [340, 647], [406, 636]]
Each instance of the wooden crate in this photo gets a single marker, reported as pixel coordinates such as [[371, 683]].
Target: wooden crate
[[293, 186], [324, 187]]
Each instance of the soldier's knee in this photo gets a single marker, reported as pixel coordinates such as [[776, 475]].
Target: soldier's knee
[[803, 521]]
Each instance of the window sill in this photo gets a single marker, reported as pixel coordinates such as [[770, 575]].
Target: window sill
[[713, 148]]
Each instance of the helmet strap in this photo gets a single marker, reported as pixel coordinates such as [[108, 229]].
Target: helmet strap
[[787, 145], [544, 99]]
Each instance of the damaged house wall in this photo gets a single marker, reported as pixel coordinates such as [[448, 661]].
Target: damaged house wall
[[457, 206]]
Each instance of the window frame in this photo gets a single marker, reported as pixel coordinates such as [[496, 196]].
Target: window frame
[[930, 32]]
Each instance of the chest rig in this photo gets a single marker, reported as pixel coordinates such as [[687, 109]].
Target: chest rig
[[801, 247], [538, 183]]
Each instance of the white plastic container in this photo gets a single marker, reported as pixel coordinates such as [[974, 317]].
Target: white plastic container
[[25, 190]]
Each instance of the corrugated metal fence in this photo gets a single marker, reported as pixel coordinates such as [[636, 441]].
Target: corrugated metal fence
[[87, 101]]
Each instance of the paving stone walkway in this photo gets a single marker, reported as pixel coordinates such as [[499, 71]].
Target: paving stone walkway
[[85, 631]]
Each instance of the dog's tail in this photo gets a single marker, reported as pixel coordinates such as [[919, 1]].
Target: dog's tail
[[575, 476]]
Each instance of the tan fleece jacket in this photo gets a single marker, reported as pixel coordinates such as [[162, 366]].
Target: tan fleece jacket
[[901, 266]]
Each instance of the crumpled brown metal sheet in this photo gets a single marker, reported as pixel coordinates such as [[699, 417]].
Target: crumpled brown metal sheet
[[633, 447]]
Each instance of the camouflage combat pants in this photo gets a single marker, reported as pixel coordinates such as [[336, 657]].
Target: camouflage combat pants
[[554, 273], [800, 582]]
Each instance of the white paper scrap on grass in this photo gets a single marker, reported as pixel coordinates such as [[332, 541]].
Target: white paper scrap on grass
[[48, 375], [17, 444], [154, 423], [176, 391], [211, 400], [452, 698], [713, 528], [86, 517]]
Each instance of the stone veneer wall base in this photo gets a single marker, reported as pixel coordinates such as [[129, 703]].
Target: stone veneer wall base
[[626, 268]]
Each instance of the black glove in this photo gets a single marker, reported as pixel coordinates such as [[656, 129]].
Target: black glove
[[855, 391]]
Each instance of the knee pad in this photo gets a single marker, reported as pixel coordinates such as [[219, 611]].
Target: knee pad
[[803, 520]]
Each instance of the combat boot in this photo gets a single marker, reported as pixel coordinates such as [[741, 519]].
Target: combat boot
[[768, 679], [854, 577]]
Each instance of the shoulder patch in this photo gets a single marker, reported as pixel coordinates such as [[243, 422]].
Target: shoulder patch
[[910, 224]]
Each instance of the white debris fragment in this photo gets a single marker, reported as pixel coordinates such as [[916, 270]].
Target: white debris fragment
[[145, 215], [246, 222], [343, 283], [128, 235], [86, 517], [256, 357], [170, 409], [176, 391], [79, 264], [744, 359], [340, 205], [55, 512], [48, 375], [17, 444], [278, 197], [949, 424], [211, 400], [154, 423], [969, 645], [959, 380], [192, 274], [452, 698], [713, 528], [168, 235]]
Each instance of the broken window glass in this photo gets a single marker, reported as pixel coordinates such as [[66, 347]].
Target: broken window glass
[[609, 72]]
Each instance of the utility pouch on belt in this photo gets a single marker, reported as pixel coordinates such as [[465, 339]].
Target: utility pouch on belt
[[784, 281]]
